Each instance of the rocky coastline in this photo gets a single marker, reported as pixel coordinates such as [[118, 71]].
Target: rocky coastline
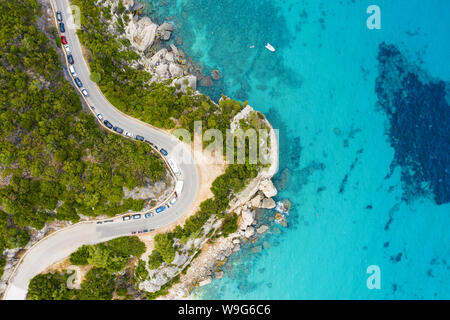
[[198, 260]]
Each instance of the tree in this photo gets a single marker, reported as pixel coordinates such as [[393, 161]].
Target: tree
[[95, 77], [164, 245], [155, 260]]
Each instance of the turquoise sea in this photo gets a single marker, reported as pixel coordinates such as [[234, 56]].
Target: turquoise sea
[[364, 140]]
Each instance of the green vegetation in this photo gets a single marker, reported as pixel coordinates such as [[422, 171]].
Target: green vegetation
[[50, 286], [107, 258], [112, 255], [128, 89], [155, 260], [55, 163], [230, 225], [140, 273]]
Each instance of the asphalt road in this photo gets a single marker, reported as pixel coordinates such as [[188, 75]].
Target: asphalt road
[[62, 243]]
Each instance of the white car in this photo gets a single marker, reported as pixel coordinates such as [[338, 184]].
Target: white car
[[72, 71], [172, 202], [128, 134], [99, 116], [66, 46], [85, 92]]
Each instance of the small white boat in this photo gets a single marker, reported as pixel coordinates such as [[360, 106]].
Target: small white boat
[[269, 47], [252, 46]]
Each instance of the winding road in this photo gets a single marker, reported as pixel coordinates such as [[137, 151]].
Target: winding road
[[62, 243]]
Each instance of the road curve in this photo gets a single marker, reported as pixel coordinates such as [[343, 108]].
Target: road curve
[[62, 243]]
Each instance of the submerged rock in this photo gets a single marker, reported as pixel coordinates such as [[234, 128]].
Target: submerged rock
[[268, 203], [206, 82], [262, 229], [165, 31], [215, 74]]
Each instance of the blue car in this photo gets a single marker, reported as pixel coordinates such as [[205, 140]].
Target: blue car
[[61, 27], [140, 138], [70, 59], [118, 130], [78, 82], [148, 215], [58, 15], [163, 151], [108, 124], [160, 209]]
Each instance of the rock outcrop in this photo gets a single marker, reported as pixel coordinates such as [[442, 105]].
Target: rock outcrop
[[165, 30], [141, 33], [267, 187]]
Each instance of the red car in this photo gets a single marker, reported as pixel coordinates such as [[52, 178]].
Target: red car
[[63, 40]]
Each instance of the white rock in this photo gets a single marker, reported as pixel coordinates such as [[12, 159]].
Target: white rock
[[175, 70], [262, 229], [127, 3], [162, 70], [248, 215], [249, 232], [256, 201], [268, 203], [267, 187], [165, 31], [204, 282], [169, 56]]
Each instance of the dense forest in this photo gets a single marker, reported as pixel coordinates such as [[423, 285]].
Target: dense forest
[[101, 281], [55, 162]]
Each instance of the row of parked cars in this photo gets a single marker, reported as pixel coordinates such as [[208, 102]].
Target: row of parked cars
[[70, 59]]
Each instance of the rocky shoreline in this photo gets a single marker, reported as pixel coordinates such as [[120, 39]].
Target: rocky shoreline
[[169, 62]]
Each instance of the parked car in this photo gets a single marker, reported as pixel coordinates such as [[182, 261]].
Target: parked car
[[172, 202], [85, 92], [161, 209], [99, 222], [63, 40], [145, 230], [72, 71], [61, 27], [128, 134], [140, 138], [59, 15], [107, 221], [136, 216], [134, 232], [163, 151], [99, 116], [78, 82], [148, 215], [70, 59], [126, 218], [118, 130], [66, 46], [108, 124], [149, 142]]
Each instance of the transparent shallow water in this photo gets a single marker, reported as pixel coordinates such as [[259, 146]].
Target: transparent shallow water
[[357, 201]]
